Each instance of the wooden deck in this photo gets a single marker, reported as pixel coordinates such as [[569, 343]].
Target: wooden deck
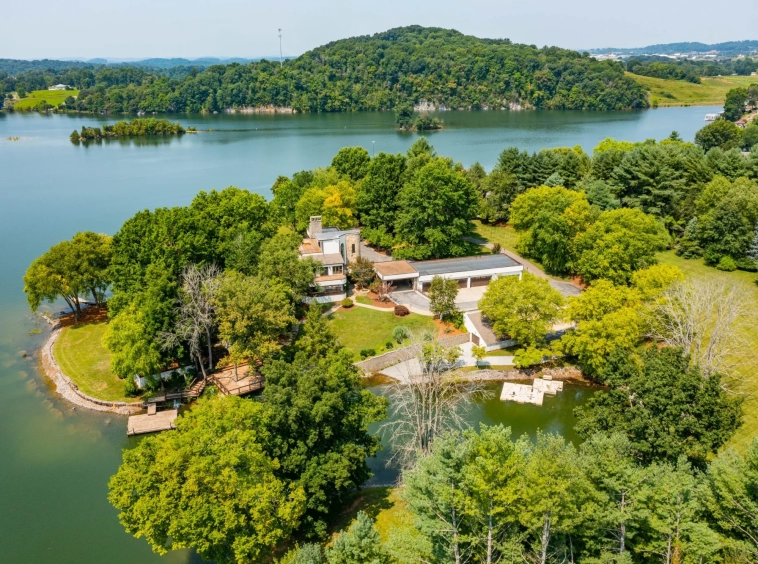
[[247, 381], [145, 423]]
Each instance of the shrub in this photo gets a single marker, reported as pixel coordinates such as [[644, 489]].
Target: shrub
[[401, 311], [130, 388], [400, 333], [374, 286], [747, 265], [727, 264], [496, 248], [365, 353], [346, 303], [152, 383], [388, 345]]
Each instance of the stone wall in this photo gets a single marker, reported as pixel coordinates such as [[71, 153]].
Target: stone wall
[[377, 363]]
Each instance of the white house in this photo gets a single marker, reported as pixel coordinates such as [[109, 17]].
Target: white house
[[58, 87], [334, 249], [481, 333], [470, 272]]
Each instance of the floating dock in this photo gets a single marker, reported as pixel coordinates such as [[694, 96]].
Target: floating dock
[[151, 422], [521, 393], [534, 394]]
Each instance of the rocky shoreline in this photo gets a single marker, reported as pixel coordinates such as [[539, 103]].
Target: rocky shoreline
[[68, 390]]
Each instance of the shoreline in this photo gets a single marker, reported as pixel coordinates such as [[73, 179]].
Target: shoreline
[[68, 390]]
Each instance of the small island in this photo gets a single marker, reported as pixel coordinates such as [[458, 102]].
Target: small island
[[139, 127], [423, 122]]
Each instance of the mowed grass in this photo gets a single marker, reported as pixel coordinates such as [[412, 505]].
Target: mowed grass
[[361, 328], [746, 381], [82, 357], [711, 92], [52, 97]]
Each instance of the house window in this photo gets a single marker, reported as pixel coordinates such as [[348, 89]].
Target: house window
[[337, 269], [353, 249]]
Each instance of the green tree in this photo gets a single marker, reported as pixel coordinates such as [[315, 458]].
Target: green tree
[[492, 477], [133, 347], [549, 220], [306, 554], [675, 531], [478, 352], [734, 105], [315, 338], [279, 261], [69, 270], [721, 133], [404, 116], [361, 272], [553, 506], [209, 485], [618, 243], [352, 162], [320, 414], [497, 192], [360, 544], [608, 461], [377, 198], [442, 294], [436, 209], [731, 496], [252, 313], [665, 406], [435, 493], [524, 309]]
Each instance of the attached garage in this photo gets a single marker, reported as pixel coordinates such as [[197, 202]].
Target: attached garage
[[479, 281]]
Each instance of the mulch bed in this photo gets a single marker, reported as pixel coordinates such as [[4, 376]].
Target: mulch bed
[[89, 315], [445, 329]]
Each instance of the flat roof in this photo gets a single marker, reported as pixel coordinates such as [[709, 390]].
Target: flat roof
[[395, 268], [463, 264], [328, 258], [332, 233]]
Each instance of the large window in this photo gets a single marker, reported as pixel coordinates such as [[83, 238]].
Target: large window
[[337, 269]]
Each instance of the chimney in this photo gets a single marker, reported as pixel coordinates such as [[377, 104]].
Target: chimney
[[314, 227]]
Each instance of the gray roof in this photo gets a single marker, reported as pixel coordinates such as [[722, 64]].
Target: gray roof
[[463, 264], [329, 233]]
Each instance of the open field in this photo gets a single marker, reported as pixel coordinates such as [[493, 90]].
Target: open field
[[52, 97], [82, 357], [747, 382], [712, 91], [361, 328]]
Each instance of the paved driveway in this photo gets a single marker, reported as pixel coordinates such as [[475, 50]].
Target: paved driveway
[[413, 300]]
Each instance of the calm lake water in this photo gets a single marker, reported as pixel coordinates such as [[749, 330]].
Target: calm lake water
[[55, 461]]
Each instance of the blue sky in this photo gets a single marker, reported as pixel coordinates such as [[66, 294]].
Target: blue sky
[[191, 28]]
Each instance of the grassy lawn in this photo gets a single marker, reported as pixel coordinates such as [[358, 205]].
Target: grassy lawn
[[506, 236], [382, 504], [747, 383], [52, 97], [363, 300], [83, 358], [362, 328], [711, 92]]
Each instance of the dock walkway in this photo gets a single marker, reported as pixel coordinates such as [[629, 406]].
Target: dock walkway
[[147, 423]]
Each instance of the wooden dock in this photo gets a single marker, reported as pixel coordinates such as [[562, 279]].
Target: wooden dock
[[151, 423], [246, 382]]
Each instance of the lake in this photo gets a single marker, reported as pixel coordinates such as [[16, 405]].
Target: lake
[[55, 461]]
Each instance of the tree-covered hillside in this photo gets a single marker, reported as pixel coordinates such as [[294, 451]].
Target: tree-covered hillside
[[410, 64]]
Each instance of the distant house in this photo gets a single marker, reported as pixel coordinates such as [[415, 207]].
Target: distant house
[[59, 87], [334, 249]]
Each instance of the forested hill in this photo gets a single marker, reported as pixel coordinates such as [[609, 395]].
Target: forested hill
[[371, 73], [726, 49]]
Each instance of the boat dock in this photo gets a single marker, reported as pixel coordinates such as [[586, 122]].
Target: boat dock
[[151, 422], [244, 382], [534, 394]]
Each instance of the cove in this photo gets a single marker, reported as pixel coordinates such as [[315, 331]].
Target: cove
[[55, 461]]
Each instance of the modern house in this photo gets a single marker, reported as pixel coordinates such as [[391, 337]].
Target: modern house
[[59, 87], [334, 249], [481, 333], [470, 272]]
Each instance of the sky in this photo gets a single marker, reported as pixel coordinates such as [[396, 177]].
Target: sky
[[247, 28]]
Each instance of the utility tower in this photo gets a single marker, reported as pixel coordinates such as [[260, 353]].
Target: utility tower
[[280, 48]]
